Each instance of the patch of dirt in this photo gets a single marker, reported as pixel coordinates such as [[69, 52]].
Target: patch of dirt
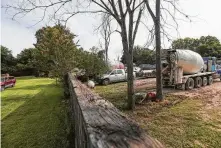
[[145, 83], [210, 96], [203, 91]]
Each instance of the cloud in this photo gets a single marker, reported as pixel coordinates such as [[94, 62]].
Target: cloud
[[16, 37]]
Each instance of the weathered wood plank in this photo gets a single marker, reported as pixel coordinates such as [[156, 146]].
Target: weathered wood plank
[[98, 124]]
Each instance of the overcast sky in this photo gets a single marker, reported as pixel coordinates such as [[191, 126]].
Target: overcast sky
[[18, 35]]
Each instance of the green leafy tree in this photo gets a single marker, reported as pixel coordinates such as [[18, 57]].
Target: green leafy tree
[[209, 46], [26, 60], [205, 45], [141, 55], [57, 49], [8, 62], [93, 62], [186, 43]]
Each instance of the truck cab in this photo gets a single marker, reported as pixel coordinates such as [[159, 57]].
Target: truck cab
[[210, 64]]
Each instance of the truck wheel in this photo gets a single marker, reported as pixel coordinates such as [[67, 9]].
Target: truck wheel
[[198, 82], [106, 82], [205, 81], [189, 84], [210, 80]]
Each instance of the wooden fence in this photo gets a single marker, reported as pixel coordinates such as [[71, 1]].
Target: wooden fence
[[98, 124]]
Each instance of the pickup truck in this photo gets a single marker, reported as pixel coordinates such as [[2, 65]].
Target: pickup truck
[[7, 82], [116, 75]]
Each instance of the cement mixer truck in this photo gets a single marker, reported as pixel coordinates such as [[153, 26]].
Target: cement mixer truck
[[186, 69]]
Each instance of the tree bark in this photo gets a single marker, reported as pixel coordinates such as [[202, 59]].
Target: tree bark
[[159, 92], [106, 54], [129, 61], [130, 81]]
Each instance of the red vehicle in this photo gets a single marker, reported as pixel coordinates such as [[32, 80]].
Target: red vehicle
[[7, 82]]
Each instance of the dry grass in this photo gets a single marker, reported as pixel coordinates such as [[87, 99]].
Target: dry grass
[[178, 121]]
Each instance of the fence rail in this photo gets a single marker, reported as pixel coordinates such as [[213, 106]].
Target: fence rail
[[98, 124]]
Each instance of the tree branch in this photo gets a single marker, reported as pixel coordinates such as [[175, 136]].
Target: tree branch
[[150, 10]]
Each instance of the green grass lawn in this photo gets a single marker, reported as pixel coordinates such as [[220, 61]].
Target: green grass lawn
[[177, 122], [33, 115]]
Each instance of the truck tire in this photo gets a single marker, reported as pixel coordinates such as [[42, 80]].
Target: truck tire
[[205, 81], [106, 81], [189, 84], [198, 82], [210, 80]]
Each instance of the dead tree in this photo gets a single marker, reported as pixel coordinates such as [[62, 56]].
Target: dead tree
[[156, 20], [106, 31]]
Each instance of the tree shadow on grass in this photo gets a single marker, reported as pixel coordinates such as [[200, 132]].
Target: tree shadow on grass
[[35, 87], [38, 122]]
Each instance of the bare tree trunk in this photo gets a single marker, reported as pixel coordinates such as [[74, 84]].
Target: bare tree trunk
[[129, 61], [130, 82], [159, 94], [106, 54]]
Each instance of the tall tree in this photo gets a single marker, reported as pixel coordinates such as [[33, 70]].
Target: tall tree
[[8, 62], [156, 19], [27, 61], [58, 49], [164, 9], [106, 31]]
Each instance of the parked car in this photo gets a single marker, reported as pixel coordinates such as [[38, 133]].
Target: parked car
[[7, 82], [116, 75]]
